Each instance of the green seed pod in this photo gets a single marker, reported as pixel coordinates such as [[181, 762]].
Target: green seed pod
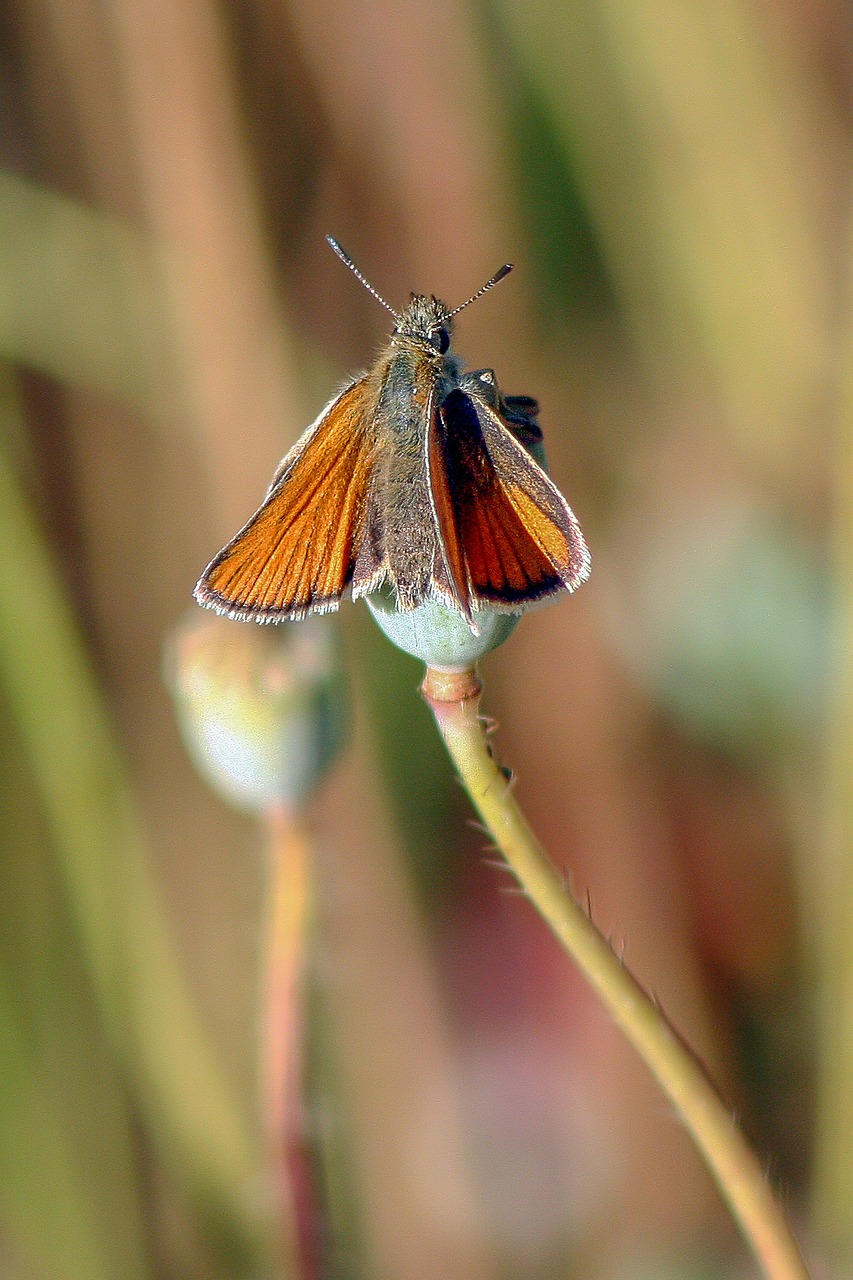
[[438, 634]]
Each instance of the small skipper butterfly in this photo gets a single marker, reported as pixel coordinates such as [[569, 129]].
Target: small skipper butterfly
[[416, 475]]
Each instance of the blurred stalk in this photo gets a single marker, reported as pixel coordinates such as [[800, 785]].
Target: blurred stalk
[[283, 1037], [147, 1011], [263, 714], [832, 1204], [200, 205]]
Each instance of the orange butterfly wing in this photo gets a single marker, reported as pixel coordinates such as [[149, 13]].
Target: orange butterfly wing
[[297, 552], [497, 511]]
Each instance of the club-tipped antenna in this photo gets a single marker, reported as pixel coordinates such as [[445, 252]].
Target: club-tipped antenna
[[490, 284], [348, 262]]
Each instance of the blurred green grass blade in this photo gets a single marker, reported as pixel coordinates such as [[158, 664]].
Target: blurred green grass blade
[[46, 1203], [79, 296], [697, 146], [141, 995], [570, 270], [69, 1181]]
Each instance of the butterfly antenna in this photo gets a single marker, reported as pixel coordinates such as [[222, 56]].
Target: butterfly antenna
[[490, 284], [348, 262]]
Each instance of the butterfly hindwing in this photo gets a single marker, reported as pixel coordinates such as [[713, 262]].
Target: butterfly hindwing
[[501, 520], [297, 552]]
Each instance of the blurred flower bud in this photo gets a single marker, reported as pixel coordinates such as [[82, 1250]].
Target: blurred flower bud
[[261, 709], [438, 634]]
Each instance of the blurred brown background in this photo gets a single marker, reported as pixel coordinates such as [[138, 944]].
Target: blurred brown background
[[672, 181]]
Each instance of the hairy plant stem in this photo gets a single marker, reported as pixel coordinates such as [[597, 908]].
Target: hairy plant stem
[[454, 700]]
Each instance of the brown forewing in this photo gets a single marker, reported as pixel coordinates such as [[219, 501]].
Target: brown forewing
[[296, 554], [498, 511]]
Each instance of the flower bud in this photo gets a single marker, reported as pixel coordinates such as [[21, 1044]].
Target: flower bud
[[261, 709]]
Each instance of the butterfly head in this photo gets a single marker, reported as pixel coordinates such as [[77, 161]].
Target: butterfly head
[[426, 323]]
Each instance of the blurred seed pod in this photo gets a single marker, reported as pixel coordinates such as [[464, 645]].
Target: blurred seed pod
[[262, 710]]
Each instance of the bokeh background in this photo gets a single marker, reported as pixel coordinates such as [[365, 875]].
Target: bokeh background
[[672, 179]]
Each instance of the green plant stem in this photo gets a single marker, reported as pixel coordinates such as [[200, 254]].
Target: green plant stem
[[454, 701]]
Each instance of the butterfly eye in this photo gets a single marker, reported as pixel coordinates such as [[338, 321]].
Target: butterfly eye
[[441, 340]]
